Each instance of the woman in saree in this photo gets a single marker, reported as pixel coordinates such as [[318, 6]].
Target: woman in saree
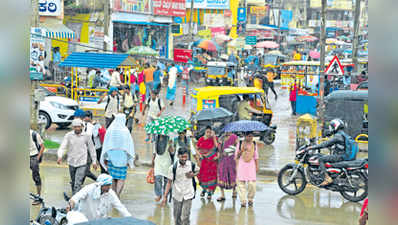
[[227, 164], [207, 150]]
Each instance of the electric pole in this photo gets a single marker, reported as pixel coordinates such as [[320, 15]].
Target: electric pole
[[355, 41], [106, 22], [34, 83], [322, 64], [190, 21]]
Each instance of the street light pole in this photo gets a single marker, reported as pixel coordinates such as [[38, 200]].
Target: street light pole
[[34, 83], [190, 21], [322, 64], [355, 41], [106, 22]]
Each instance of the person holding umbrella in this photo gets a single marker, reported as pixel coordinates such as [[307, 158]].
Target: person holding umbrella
[[226, 174], [246, 156]]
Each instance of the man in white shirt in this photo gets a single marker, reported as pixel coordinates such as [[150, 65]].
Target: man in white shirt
[[77, 145], [88, 129], [36, 149], [96, 200], [181, 176], [115, 79], [155, 108], [113, 105]]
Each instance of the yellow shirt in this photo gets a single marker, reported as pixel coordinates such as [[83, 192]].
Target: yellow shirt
[[297, 57]]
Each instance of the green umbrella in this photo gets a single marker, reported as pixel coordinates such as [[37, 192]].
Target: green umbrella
[[142, 50], [167, 125]]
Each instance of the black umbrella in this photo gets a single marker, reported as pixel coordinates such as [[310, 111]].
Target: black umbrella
[[213, 113], [118, 221]]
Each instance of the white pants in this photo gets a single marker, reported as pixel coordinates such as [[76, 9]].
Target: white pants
[[243, 193]]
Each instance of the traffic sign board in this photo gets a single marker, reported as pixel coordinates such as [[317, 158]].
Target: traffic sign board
[[251, 40], [335, 67]]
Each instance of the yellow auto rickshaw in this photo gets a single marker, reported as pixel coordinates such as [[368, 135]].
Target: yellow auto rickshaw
[[217, 74], [306, 130], [229, 99]]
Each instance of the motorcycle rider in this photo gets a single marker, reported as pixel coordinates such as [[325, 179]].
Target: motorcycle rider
[[337, 142]]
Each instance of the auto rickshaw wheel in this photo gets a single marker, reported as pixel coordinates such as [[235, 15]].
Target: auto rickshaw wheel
[[268, 138]]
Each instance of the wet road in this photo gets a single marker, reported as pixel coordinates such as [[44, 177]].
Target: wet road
[[272, 157], [272, 206]]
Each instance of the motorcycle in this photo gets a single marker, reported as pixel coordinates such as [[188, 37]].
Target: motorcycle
[[350, 178], [49, 215]]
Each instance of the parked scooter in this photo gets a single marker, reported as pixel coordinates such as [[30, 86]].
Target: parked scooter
[[49, 215]]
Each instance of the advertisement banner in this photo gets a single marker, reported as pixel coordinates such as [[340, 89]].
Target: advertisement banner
[[37, 49], [169, 7], [216, 20], [182, 55], [217, 30], [286, 17], [259, 10], [131, 6], [208, 4], [50, 7]]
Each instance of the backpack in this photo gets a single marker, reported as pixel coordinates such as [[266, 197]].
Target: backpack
[[193, 178], [159, 105], [109, 99], [351, 147], [34, 138]]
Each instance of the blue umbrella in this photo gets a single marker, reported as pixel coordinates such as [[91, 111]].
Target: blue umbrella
[[118, 221], [245, 126]]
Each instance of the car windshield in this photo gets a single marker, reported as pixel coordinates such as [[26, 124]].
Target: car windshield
[[46, 92], [213, 70], [270, 59]]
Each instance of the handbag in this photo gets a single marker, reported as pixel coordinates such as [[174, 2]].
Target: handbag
[[150, 178]]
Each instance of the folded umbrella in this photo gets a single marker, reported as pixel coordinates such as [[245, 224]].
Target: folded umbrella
[[245, 126]]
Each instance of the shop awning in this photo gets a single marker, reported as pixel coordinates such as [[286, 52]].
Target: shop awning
[[56, 29], [94, 60]]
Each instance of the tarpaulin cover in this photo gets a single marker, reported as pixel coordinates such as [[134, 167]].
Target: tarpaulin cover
[[94, 60], [348, 106]]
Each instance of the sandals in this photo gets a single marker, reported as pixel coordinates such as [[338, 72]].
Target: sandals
[[202, 195], [234, 195], [243, 204], [220, 199], [209, 196], [250, 203]]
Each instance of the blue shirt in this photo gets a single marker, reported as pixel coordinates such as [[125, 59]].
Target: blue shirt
[[156, 76], [57, 57]]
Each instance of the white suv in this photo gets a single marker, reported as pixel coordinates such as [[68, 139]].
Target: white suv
[[56, 109]]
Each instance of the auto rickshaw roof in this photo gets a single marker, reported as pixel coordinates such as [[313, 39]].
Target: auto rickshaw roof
[[347, 94], [306, 118], [212, 91]]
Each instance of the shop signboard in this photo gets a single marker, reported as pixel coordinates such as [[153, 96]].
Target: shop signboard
[[259, 10], [214, 20], [242, 14], [177, 20], [217, 31], [208, 4], [251, 40], [169, 7], [182, 55], [37, 49], [130, 6], [50, 7]]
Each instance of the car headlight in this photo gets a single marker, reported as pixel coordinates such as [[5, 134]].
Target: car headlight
[[58, 105]]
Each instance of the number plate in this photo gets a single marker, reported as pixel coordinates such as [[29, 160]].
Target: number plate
[[305, 165], [296, 161]]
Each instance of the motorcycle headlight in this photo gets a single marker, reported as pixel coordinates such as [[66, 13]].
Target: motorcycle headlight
[[58, 105]]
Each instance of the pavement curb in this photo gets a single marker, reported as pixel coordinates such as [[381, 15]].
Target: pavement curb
[[51, 155]]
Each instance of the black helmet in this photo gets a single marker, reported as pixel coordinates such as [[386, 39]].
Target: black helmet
[[336, 125], [89, 114]]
